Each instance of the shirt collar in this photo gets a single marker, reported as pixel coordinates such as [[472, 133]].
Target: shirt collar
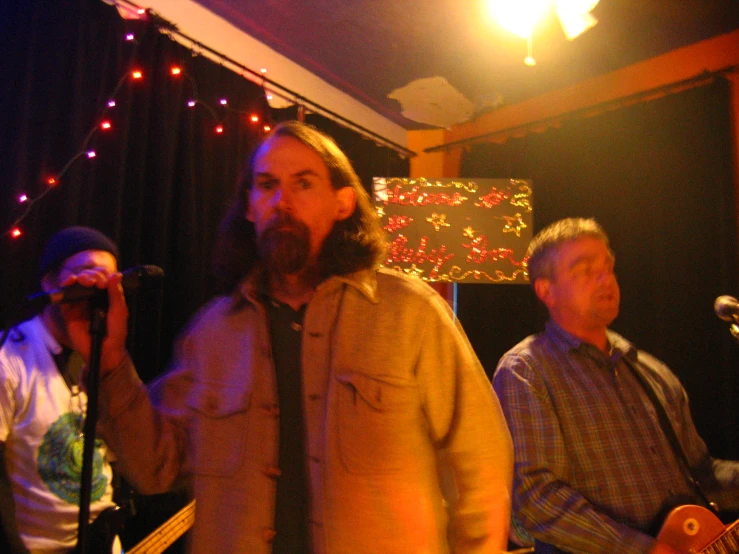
[[566, 342], [45, 335]]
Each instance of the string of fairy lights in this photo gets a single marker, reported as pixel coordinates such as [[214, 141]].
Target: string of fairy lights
[[104, 123]]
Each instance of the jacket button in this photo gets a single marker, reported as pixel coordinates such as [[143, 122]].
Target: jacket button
[[268, 535], [296, 326], [272, 471]]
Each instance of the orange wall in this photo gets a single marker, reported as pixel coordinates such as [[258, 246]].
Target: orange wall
[[434, 164]]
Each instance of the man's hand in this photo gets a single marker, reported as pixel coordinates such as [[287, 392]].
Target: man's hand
[[77, 318]]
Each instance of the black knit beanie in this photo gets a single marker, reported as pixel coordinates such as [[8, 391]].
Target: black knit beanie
[[68, 242]]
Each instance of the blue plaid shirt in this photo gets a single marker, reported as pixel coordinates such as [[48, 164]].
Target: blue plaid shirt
[[593, 468]]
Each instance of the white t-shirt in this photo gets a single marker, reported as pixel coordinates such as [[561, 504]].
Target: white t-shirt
[[41, 423]]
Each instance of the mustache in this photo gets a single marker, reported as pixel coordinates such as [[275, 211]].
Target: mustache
[[283, 219]]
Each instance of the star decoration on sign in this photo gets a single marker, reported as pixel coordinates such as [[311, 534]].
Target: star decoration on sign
[[437, 220], [514, 224], [469, 232]]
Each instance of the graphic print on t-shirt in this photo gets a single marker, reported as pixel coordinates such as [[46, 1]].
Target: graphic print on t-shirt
[[59, 460]]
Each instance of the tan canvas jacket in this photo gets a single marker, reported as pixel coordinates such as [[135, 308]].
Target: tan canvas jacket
[[396, 403]]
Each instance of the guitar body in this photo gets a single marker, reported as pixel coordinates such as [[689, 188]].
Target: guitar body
[[696, 529]]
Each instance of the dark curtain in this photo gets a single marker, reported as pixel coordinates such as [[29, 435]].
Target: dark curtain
[[162, 176], [659, 177], [160, 180]]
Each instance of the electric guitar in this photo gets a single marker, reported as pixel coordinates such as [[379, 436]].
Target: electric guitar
[[108, 524], [697, 529]]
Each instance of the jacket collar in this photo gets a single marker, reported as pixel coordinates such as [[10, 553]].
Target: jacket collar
[[253, 289]]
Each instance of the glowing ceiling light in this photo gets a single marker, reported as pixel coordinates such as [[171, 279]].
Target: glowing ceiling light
[[16, 232], [517, 16], [520, 16]]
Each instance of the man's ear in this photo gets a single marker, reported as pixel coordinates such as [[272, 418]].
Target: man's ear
[[346, 202], [543, 290]]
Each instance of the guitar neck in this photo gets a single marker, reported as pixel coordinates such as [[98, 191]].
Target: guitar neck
[[727, 543], [168, 533]]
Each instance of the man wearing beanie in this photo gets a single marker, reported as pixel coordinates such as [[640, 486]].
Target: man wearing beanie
[[42, 408]]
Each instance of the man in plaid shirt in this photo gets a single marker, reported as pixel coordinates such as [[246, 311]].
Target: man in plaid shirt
[[594, 469]]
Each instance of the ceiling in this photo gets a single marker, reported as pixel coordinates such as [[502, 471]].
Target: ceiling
[[369, 48]]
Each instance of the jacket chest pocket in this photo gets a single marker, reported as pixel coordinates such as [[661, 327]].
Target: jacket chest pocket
[[220, 417], [376, 418]]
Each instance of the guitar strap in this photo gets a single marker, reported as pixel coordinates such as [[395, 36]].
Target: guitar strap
[[669, 431]]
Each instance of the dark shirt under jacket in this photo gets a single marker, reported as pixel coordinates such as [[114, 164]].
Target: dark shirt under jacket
[[292, 498]]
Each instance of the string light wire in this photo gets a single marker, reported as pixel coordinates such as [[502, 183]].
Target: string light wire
[[259, 76]]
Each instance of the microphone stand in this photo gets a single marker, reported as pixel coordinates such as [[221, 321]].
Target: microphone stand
[[98, 313]]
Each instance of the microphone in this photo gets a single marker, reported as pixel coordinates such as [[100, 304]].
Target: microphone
[[727, 308], [139, 277]]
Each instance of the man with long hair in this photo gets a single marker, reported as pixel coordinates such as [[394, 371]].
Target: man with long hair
[[323, 404]]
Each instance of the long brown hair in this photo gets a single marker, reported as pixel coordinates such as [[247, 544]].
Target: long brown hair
[[354, 243]]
